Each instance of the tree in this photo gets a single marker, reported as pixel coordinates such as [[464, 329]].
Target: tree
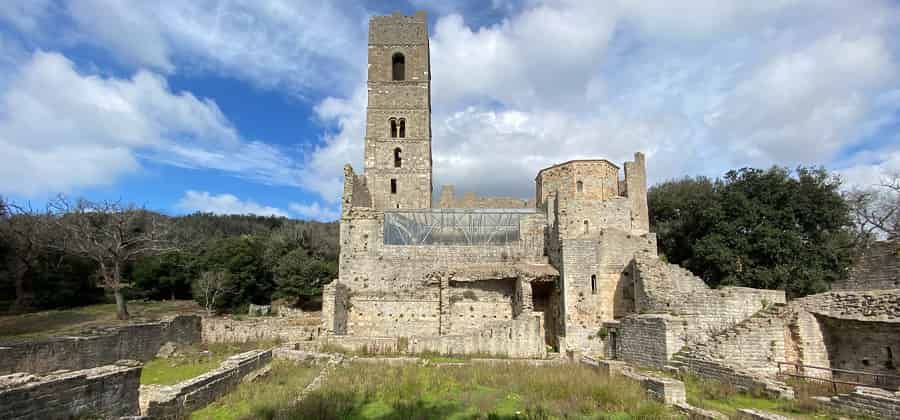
[[300, 277], [209, 287], [776, 228], [249, 277], [27, 234], [164, 276], [876, 211], [112, 235]]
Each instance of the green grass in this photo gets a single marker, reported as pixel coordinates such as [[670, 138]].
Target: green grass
[[256, 399], [192, 361], [517, 391], [68, 321], [727, 399]]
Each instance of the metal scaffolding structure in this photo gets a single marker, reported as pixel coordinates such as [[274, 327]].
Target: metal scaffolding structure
[[453, 226]]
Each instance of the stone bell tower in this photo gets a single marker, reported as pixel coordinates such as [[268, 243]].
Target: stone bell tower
[[398, 117]]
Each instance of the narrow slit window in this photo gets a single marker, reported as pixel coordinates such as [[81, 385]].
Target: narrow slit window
[[402, 127], [593, 284], [393, 122], [398, 65], [579, 186], [393, 186], [586, 226], [398, 161]]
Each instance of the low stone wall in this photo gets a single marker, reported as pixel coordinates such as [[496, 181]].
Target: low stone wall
[[666, 390], [178, 401], [286, 329], [873, 402], [99, 347], [106, 391], [688, 362], [520, 338], [750, 414]]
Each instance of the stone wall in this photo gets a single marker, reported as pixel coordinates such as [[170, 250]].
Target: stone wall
[[179, 400], [872, 402], [518, 338], [754, 345], [108, 391], [99, 347], [645, 340], [877, 268], [660, 287], [470, 200], [686, 361], [227, 330]]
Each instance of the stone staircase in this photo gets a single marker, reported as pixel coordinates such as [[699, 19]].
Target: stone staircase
[[874, 402], [744, 355]]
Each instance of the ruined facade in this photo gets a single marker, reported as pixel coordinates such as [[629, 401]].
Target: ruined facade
[[524, 274]]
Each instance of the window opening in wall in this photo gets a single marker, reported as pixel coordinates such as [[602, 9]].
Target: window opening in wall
[[579, 186], [398, 161], [586, 226], [398, 64], [593, 284], [393, 186], [402, 128], [393, 122], [890, 358]]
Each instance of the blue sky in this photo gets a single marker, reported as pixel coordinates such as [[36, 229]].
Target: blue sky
[[255, 106]]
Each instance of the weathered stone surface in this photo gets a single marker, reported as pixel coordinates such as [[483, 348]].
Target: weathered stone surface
[[286, 329], [872, 402], [99, 347], [107, 391], [751, 414], [878, 268], [179, 400]]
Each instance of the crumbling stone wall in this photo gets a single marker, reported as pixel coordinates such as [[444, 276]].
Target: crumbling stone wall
[[871, 402], [108, 391], [179, 400], [645, 340], [877, 268], [470, 200], [99, 347], [660, 287], [227, 330]]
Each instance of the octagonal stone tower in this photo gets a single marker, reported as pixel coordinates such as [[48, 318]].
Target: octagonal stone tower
[[398, 117]]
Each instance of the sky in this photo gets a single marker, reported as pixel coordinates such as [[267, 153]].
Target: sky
[[254, 106]]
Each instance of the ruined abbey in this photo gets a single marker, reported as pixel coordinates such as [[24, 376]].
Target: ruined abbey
[[570, 276]]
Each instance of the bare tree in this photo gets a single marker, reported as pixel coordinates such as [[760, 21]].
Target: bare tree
[[210, 286], [112, 235], [27, 232], [876, 210]]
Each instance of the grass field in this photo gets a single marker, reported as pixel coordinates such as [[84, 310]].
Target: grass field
[[68, 321], [375, 391], [192, 361], [260, 398]]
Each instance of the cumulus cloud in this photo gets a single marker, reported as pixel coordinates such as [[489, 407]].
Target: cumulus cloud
[[301, 46], [314, 211], [202, 201], [61, 130]]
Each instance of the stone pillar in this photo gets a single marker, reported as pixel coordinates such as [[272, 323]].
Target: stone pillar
[[523, 304], [328, 307], [444, 321]]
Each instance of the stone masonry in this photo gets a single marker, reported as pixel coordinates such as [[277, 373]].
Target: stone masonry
[[101, 392], [448, 275]]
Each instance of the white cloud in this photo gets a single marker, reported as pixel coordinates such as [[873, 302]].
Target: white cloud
[[300, 46], [314, 211], [202, 201], [61, 130], [26, 16]]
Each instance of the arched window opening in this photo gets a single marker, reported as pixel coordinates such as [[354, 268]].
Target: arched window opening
[[586, 226], [579, 186], [398, 161], [402, 127], [398, 65], [393, 186], [593, 284], [393, 122]]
